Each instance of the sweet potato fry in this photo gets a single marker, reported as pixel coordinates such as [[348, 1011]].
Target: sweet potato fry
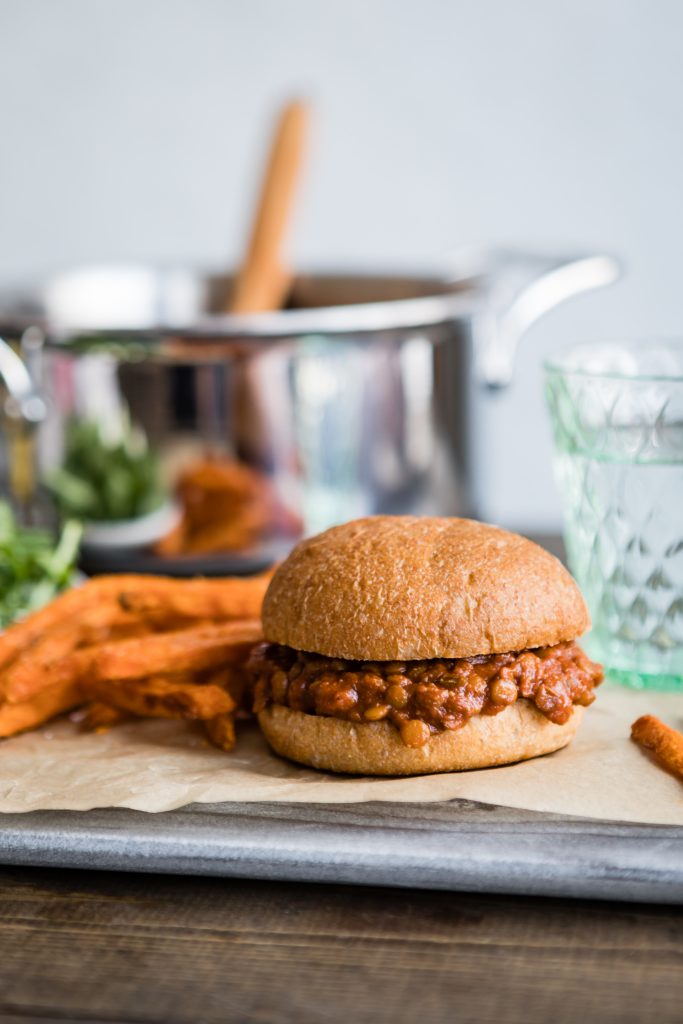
[[188, 650], [234, 598], [665, 743], [98, 717], [236, 680], [53, 701], [22, 635], [221, 731], [65, 608], [26, 674], [63, 672], [162, 697]]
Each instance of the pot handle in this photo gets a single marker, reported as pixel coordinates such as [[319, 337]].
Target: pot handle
[[524, 288], [23, 404]]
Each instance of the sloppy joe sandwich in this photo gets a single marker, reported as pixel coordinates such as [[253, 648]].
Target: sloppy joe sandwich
[[400, 645]]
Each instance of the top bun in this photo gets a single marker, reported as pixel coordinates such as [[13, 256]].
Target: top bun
[[386, 588]]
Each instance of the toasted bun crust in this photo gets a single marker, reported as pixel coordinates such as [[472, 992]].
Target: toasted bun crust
[[376, 748], [404, 587]]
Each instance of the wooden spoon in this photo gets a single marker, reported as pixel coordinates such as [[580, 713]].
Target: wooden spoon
[[263, 280]]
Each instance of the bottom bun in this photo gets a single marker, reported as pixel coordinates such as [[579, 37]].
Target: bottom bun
[[376, 748]]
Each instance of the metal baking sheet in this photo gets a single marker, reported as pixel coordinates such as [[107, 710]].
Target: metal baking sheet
[[456, 845]]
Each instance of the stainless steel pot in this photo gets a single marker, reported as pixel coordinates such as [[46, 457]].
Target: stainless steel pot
[[363, 397]]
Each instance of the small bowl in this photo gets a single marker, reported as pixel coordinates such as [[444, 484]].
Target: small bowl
[[126, 534]]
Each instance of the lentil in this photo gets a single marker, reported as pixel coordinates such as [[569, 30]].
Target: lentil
[[423, 697]]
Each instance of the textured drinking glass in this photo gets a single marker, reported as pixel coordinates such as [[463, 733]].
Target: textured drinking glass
[[617, 416]]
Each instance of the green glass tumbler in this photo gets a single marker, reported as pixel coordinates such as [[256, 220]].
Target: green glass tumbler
[[617, 418]]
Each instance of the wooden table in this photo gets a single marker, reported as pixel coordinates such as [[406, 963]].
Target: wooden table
[[82, 946]]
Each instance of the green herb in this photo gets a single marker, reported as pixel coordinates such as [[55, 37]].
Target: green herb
[[33, 569], [106, 478], [120, 347]]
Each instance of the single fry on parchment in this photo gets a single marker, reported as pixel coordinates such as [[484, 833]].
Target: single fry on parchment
[[98, 717], [665, 743], [221, 731], [162, 697]]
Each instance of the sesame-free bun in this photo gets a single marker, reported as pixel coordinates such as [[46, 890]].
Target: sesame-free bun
[[386, 588], [376, 748]]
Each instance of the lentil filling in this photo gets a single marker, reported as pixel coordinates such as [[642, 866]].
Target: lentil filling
[[424, 697]]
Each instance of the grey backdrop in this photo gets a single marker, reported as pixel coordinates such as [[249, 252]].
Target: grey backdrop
[[131, 129]]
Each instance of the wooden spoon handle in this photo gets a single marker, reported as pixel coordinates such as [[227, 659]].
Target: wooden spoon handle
[[263, 282]]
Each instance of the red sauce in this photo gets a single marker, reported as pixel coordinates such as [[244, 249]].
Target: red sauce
[[439, 694]]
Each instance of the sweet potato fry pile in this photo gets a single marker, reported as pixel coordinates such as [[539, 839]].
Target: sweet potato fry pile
[[121, 647], [665, 743]]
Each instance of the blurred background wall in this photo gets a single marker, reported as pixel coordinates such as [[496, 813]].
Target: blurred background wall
[[131, 130]]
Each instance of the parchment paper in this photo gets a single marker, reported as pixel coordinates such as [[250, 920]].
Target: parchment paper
[[159, 765]]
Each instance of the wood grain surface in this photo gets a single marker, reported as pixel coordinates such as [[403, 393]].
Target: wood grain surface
[[89, 946]]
